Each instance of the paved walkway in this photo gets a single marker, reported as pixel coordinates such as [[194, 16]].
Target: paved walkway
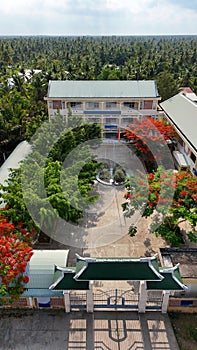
[[54, 330]]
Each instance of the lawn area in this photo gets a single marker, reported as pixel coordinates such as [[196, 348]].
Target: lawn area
[[185, 328]]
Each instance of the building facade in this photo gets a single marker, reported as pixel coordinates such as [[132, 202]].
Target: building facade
[[181, 111], [112, 104], [185, 300]]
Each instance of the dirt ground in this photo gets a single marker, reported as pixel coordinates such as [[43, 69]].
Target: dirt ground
[[185, 328]]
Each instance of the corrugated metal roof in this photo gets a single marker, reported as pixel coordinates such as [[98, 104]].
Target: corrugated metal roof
[[13, 161], [41, 267], [102, 88], [183, 113], [38, 292]]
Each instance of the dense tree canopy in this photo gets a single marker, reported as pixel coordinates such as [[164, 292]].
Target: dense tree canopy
[[51, 187], [173, 196], [171, 61]]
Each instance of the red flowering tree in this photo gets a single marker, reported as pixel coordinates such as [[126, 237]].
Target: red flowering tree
[[172, 197], [15, 252], [149, 138]]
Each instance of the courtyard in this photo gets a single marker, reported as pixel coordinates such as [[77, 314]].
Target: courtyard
[[54, 330]]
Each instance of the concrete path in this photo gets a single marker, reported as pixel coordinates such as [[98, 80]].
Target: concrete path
[[54, 330]]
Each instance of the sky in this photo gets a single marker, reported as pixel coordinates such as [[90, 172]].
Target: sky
[[98, 17]]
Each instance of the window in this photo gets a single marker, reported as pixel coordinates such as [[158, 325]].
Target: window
[[76, 104], [63, 105], [148, 104], [51, 104], [57, 104], [193, 157], [111, 105], [127, 120], [111, 120], [94, 120], [129, 104], [93, 105]]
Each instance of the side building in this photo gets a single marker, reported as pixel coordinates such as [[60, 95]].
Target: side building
[[112, 104], [181, 111]]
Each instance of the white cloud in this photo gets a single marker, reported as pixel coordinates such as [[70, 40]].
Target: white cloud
[[98, 17], [131, 6]]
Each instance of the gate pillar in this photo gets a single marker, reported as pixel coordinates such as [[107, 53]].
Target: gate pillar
[[166, 295], [142, 297], [90, 298], [67, 300]]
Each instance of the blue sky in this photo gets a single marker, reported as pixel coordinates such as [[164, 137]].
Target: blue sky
[[98, 17]]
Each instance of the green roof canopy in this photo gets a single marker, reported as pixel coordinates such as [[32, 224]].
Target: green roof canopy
[[172, 280], [64, 280], [117, 269]]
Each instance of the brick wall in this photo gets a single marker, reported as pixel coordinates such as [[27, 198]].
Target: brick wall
[[183, 304], [19, 303], [57, 303]]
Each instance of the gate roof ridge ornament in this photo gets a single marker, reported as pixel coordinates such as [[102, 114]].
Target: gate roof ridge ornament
[[169, 269], [66, 269], [115, 259]]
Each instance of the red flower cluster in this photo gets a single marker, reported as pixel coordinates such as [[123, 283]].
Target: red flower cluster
[[183, 193], [14, 256]]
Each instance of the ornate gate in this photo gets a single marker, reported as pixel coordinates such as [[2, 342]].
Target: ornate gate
[[78, 300], [116, 299], [154, 300]]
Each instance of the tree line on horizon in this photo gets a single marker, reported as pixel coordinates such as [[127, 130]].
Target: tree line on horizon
[[170, 60]]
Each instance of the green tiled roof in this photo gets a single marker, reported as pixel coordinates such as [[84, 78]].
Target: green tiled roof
[[117, 269], [102, 88], [63, 280], [172, 280]]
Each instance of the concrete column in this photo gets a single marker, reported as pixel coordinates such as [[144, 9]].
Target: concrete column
[[142, 297], [84, 105], [164, 307], [67, 300], [90, 298], [31, 302]]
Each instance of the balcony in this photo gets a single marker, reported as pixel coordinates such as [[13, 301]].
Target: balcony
[[76, 111], [102, 112], [129, 111]]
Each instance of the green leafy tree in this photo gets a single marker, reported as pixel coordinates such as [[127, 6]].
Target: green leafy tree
[[52, 188], [119, 175], [167, 85], [153, 194]]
